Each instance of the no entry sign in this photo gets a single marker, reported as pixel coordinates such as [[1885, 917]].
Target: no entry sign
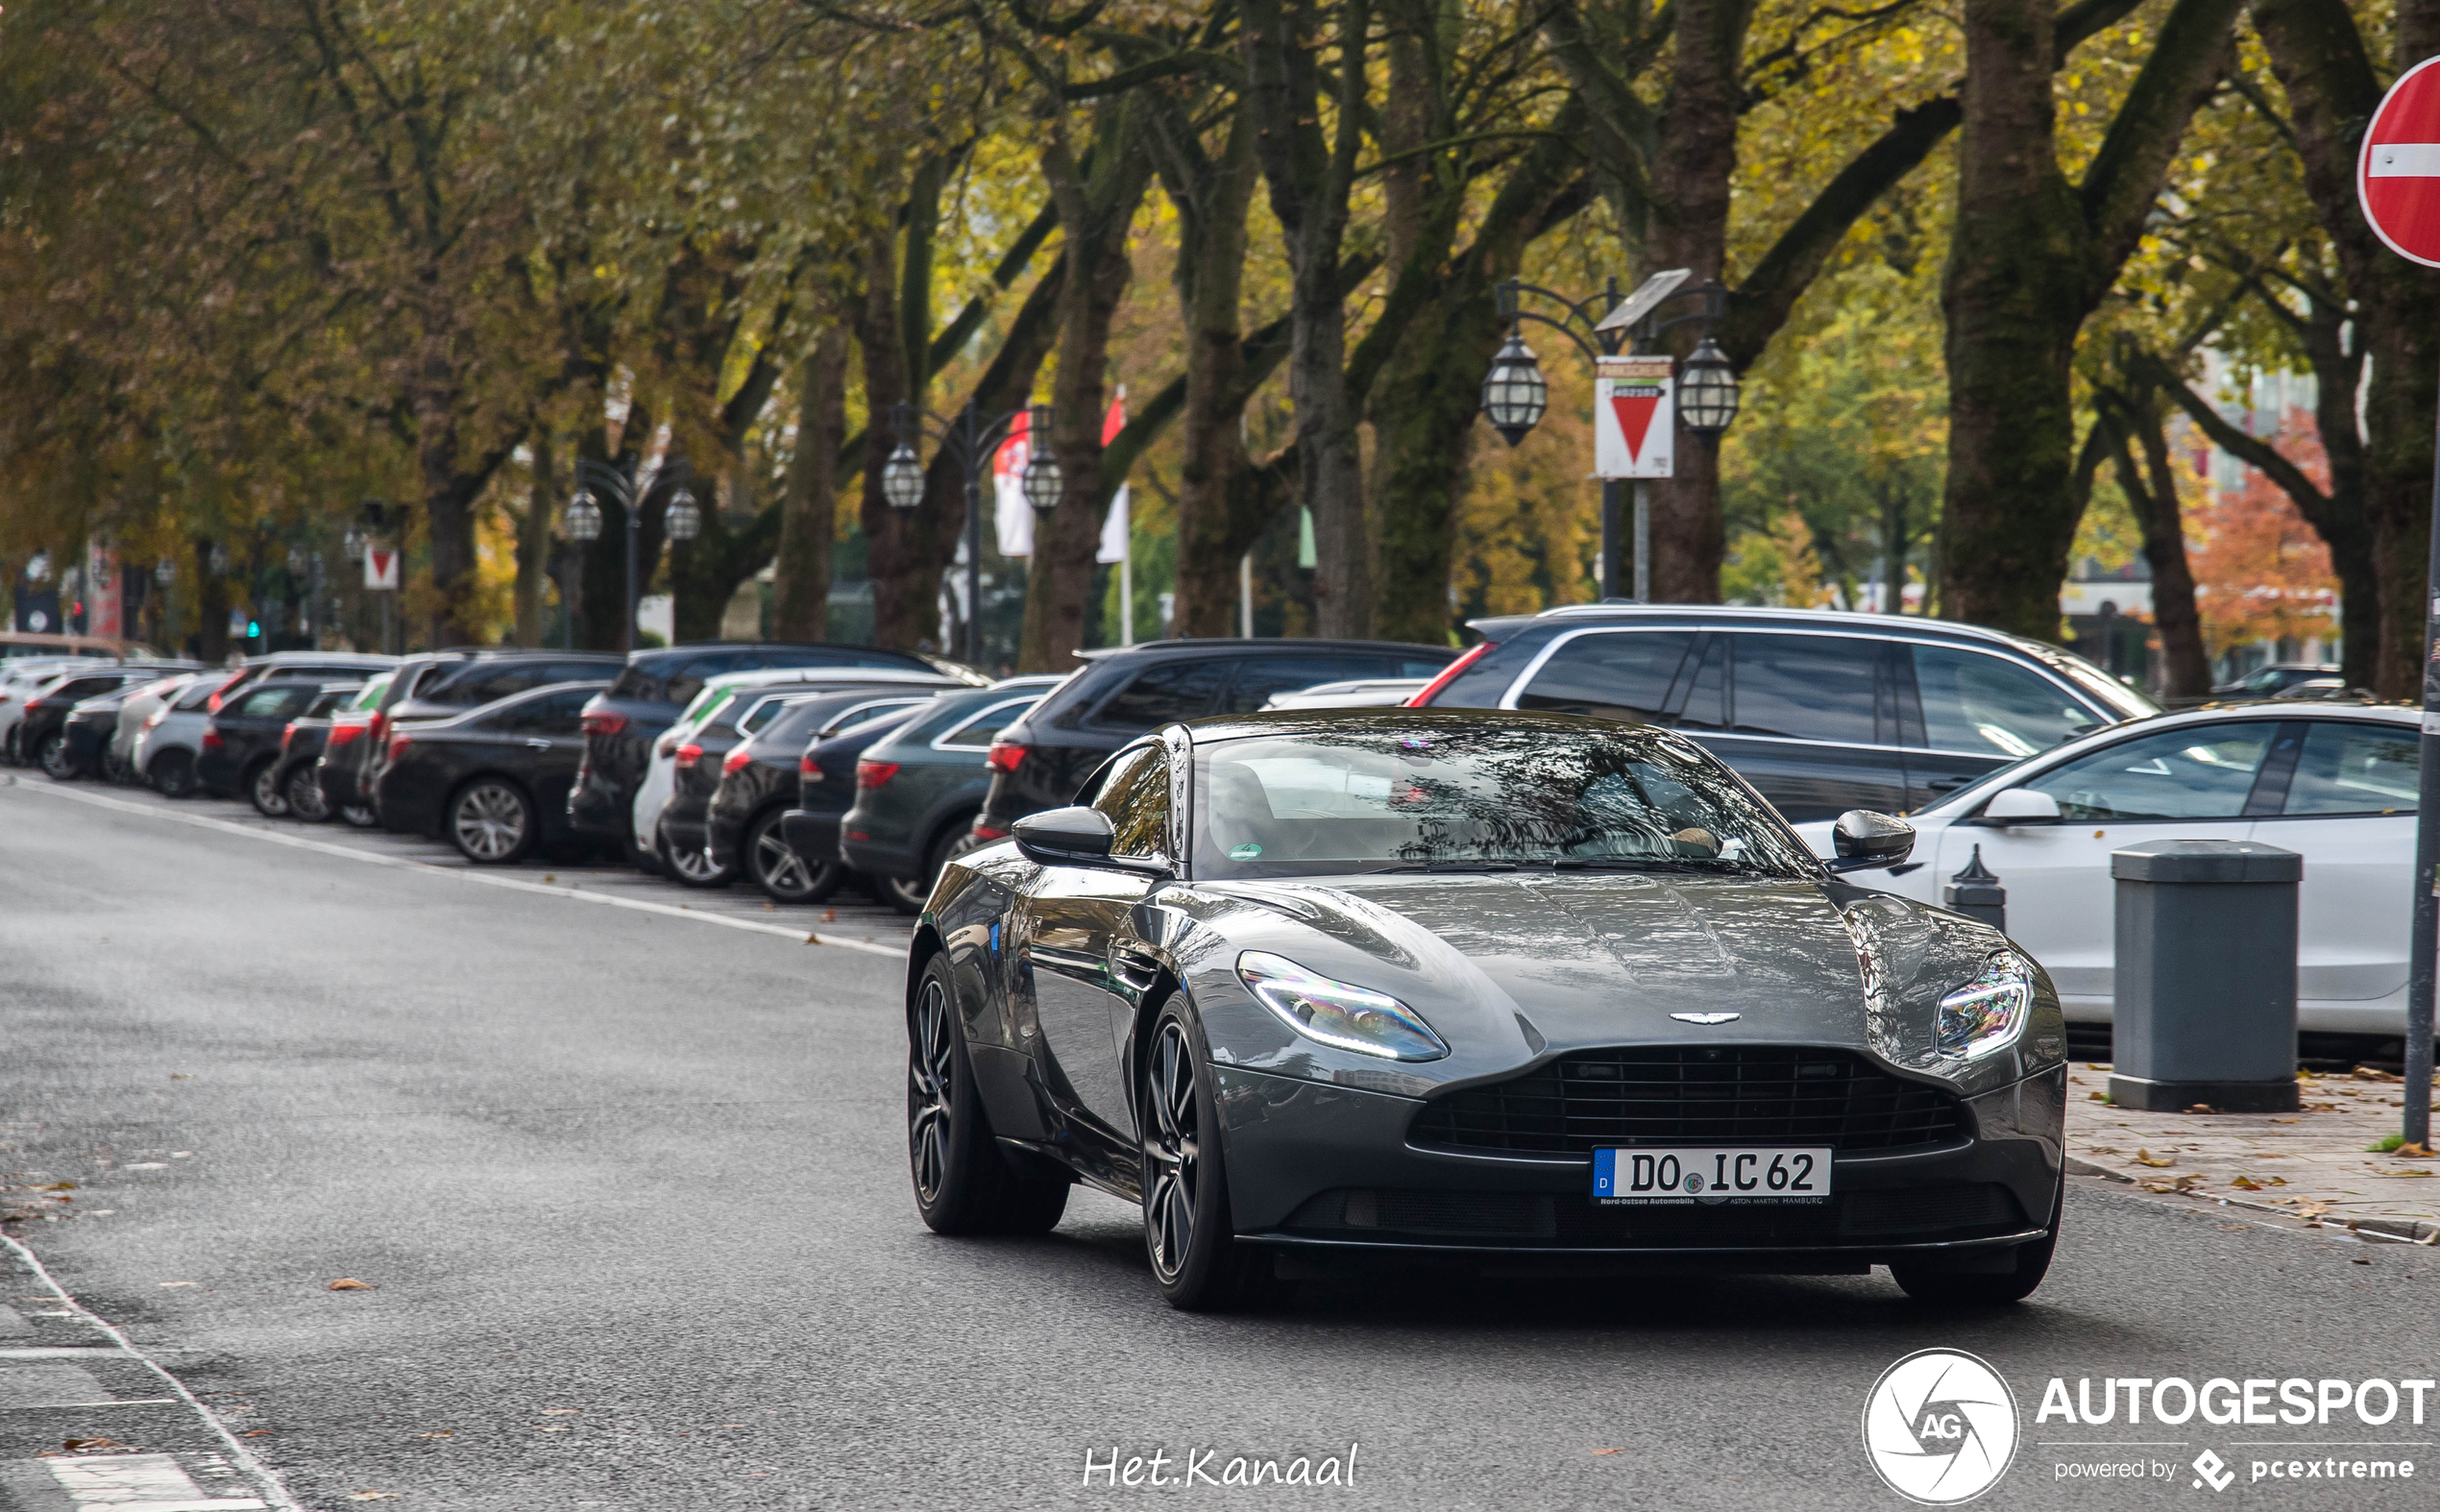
[[2397, 172]]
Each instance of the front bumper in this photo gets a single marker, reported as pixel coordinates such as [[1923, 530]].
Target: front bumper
[[1325, 1168]]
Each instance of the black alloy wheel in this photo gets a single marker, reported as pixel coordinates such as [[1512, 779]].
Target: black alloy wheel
[[172, 773], [783, 876], [692, 868], [1988, 1288], [52, 756], [262, 787], [304, 793], [1188, 1234], [491, 821], [964, 1182]]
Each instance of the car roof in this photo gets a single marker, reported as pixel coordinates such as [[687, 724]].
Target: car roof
[[1239, 645], [1212, 728], [520, 695]]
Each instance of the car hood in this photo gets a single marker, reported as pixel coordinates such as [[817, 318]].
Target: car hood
[[1506, 965]]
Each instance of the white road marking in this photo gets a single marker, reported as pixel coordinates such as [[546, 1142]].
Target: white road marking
[[56, 1351], [139, 1483], [2404, 160], [49, 1386], [514, 884], [270, 1492]]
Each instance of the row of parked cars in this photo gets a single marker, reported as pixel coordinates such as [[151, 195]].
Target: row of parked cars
[[801, 769]]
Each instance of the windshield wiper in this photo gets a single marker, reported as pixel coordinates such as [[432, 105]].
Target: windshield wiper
[[1450, 865], [1702, 863]]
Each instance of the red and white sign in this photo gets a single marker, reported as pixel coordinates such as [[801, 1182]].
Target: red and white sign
[[2397, 172], [381, 565], [104, 612], [1635, 417]]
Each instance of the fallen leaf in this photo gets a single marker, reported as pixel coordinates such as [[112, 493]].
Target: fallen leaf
[[2307, 1207], [2320, 1107], [830, 915], [2414, 1152], [2282, 1120], [255, 1433], [2095, 1066], [2097, 1097], [372, 1496], [1609, 1451], [550, 876], [2203, 1107], [771, 908], [55, 1186], [2245, 1183], [2147, 1157], [91, 1445], [350, 1283], [2358, 1261], [2401, 1172]]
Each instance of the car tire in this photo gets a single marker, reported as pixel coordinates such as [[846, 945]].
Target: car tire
[[909, 894], [690, 868], [965, 1184], [304, 792], [52, 756], [261, 788], [1189, 1234], [361, 815], [116, 770], [172, 773], [491, 821], [1987, 1288], [775, 868]]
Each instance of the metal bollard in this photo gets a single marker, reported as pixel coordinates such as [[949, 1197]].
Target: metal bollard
[[2206, 980], [1974, 892]]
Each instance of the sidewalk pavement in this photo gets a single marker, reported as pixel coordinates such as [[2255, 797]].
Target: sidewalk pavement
[[2315, 1164]]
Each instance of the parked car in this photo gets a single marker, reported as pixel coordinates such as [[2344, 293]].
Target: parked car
[[656, 686], [492, 781], [94, 724], [21, 680], [1469, 989], [241, 743], [172, 737], [1354, 693], [918, 788], [686, 760], [1821, 712], [327, 666], [38, 646], [1037, 762], [761, 776], [40, 736], [295, 775], [2276, 679], [2335, 783], [134, 712]]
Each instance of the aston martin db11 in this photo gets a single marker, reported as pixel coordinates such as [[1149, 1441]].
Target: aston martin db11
[[1328, 990]]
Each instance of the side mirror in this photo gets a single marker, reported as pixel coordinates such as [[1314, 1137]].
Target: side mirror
[[1070, 837], [1865, 839], [2019, 805]]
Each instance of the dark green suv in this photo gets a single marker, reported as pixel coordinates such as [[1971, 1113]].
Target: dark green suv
[[918, 789]]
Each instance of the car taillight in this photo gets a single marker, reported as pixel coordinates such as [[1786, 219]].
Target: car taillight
[[875, 773], [212, 739], [809, 768], [399, 742], [1003, 756], [211, 705], [603, 724], [31, 704], [342, 734], [1432, 690], [286, 734], [735, 762], [688, 755]]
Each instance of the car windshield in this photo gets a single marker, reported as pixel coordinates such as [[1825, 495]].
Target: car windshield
[[1478, 798]]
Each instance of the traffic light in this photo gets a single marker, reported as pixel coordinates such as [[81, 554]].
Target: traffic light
[[254, 630]]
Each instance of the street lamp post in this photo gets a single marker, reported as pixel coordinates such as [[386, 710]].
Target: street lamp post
[[971, 441], [623, 488], [583, 520], [1515, 396]]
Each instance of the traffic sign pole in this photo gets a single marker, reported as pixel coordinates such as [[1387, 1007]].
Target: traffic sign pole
[[2398, 184]]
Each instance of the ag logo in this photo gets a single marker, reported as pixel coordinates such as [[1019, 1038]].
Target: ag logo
[[1939, 1427]]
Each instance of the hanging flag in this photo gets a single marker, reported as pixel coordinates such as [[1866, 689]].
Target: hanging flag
[[1115, 528], [1634, 418], [1011, 515]]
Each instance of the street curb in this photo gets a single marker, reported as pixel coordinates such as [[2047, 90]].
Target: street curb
[[2405, 1231]]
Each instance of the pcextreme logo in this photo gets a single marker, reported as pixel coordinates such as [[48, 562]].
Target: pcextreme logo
[[1939, 1427]]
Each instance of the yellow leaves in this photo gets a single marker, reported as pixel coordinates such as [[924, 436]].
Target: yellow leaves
[[2147, 1157]]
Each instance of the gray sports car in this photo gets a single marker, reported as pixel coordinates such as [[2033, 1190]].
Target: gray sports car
[[1324, 989]]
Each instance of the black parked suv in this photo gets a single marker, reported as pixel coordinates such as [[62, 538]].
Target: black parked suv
[[1822, 711], [760, 779], [1038, 763], [241, 744], [656, 686]]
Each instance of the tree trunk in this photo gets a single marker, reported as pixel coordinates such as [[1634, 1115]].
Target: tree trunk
[[1310, 176], [902, 591], [2153, 493], [809, 509], [1212, 533], [534, 537], [211, 608], [2030, 259]]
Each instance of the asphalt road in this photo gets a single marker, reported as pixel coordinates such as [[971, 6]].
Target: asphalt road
[[629, 1189]]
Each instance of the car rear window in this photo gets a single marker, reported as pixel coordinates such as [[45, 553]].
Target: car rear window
[[975, 733], [1623, 676], [1181, 689], [277, 701]]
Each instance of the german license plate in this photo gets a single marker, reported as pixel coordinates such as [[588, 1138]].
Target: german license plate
[[1709, 1174]]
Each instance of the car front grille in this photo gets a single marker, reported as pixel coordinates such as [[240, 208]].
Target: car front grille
[[1935, 1212], [1693, 1094]]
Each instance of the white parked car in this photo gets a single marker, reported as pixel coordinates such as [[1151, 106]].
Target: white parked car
[[172, 735], [140, 707], [2333, 782], [1353, 693]]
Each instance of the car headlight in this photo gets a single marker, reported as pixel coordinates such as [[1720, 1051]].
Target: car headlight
[[1338, 1014], [1987, 1013]]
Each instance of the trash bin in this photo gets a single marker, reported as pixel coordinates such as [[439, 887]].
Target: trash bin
[[2205, 976]]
